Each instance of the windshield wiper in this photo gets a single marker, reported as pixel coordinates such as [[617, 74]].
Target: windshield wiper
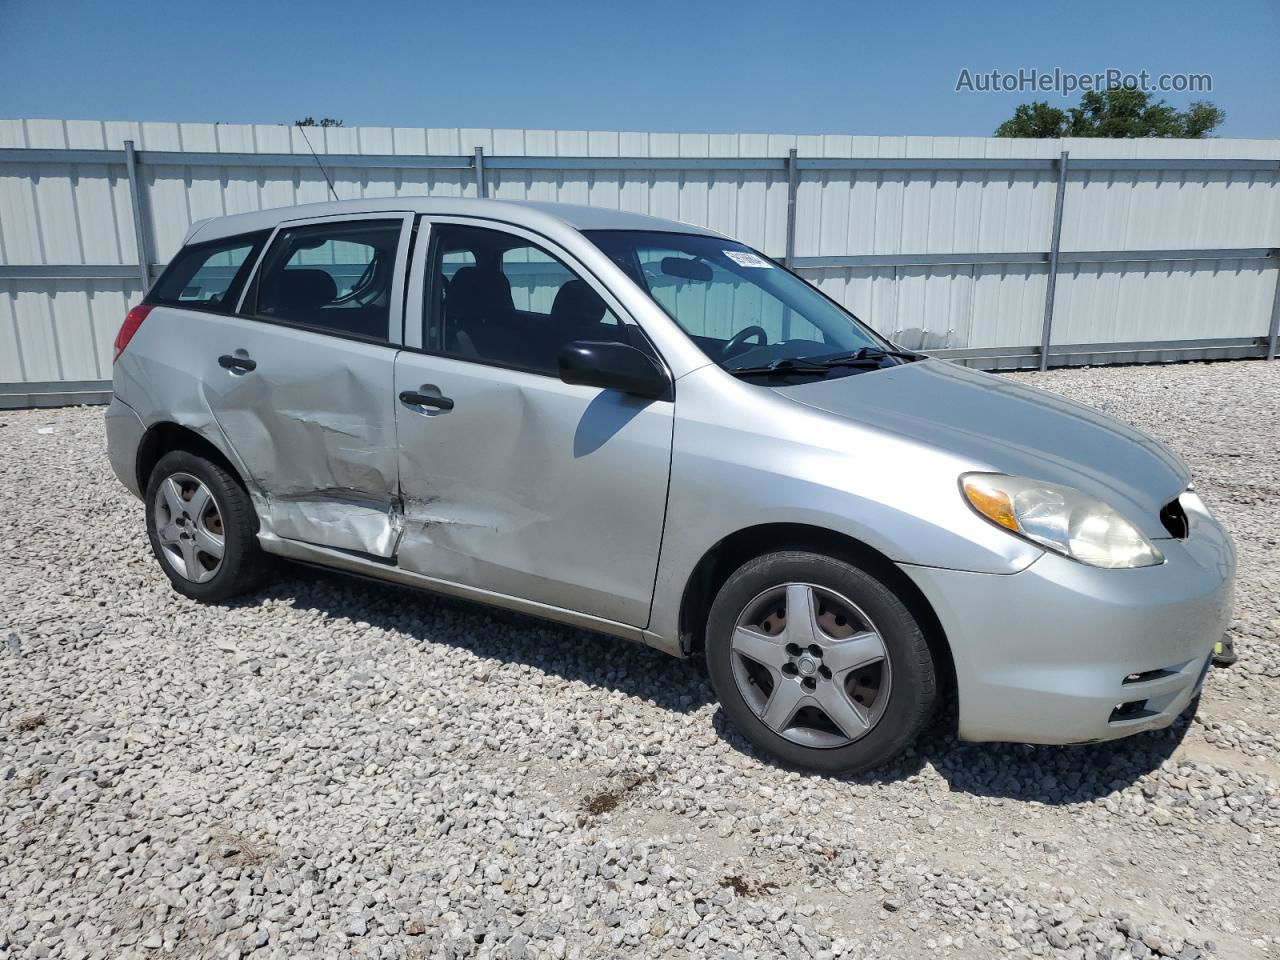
[[782, 365], [863, 354], [866, 357], [800, 365]]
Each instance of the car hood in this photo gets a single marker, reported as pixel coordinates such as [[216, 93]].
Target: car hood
[[1005, 427]]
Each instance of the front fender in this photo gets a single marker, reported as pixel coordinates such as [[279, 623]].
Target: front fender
[[744, 456]]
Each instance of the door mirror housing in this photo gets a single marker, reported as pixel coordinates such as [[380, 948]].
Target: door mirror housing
[[613, 366]]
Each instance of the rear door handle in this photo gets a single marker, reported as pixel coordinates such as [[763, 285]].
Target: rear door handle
[[236, 364], [416, 399]]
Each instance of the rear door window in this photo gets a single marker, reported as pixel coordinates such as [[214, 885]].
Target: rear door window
[[334, 277], [208, 276]]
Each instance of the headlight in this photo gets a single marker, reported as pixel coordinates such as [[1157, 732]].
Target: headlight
[[1061, 519]]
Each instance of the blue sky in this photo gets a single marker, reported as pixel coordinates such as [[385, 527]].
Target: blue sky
[[862, 68]]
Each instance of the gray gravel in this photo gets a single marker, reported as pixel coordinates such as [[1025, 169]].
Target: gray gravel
[[338, 769]]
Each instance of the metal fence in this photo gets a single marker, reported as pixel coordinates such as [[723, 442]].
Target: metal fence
[[961, 255]]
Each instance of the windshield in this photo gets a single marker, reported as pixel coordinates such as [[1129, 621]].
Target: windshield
[[743, 310]]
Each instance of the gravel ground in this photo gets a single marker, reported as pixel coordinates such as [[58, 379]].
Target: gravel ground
[[341, 769]]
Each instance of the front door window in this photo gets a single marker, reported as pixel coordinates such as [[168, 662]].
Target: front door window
[[500, 299]]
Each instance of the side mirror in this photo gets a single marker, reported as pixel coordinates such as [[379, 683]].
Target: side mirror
[[613, 366]]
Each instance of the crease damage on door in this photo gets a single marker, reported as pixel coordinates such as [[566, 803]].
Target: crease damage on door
[[470, 532], [338, 516], [329, 479]]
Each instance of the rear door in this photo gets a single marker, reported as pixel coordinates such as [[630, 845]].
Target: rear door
[[513, 481], [300, 380]]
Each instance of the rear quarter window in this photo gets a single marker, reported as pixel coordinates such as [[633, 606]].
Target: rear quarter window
[[208, 276]]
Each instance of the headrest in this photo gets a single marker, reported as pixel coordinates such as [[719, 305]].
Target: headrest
[[576, 302], [298, 291], [477, 291]]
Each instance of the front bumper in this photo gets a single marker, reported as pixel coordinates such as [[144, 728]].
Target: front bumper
[[124, 435], [1062, 652]]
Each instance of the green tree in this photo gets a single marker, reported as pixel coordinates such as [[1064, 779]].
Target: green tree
[[1035, 120], [1201, 119], [1118, 112]]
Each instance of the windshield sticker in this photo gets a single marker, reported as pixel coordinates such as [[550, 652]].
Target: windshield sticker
[[744, 259]]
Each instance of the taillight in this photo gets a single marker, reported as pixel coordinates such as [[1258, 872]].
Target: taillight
[[132, 321]]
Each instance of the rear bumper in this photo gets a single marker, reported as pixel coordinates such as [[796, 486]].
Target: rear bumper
[[124, 434], [1048, 654]]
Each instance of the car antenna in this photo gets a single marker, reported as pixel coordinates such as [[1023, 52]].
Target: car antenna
[[317, 159]]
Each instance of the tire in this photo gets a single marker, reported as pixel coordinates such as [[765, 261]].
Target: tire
[[186, 529], [839, 709]]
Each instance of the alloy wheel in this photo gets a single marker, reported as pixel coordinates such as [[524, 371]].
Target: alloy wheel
[[189, 527], [811, 665]]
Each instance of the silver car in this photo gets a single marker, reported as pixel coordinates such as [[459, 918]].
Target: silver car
[[646, 429]]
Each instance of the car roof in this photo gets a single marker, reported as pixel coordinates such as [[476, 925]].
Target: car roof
[[537, 216]]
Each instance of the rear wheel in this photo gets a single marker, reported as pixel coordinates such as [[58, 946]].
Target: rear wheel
[[203, 528], [818, 662]]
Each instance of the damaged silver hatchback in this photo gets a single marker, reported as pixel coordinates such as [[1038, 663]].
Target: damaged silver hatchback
[[648, 430]]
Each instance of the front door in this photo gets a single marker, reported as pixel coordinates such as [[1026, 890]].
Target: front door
[[300, 381], [513, 481]]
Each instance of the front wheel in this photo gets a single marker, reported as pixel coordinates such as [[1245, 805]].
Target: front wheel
[[819, 663], [203, 528]]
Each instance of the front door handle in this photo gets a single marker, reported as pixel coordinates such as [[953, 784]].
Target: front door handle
[[236, 364], [416, 399]]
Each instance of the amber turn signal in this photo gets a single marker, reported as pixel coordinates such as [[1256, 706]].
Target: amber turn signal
[[993, 504]]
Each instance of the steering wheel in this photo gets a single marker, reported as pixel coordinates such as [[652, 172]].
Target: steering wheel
[[742, 336]]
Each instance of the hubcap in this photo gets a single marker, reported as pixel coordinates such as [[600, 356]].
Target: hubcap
[[189, 527], [811, 665]]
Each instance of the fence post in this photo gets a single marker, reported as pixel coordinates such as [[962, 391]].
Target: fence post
[[1055, 241], [140, 231], [478, 163], [1274, 334], [793, 186]]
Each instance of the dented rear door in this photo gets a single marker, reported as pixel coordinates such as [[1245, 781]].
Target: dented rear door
[[302, 388], [314, 426]]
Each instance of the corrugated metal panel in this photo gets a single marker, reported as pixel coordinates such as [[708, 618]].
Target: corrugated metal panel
[[61, 329], [59, 214], [1125, 302], [943, 307]]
